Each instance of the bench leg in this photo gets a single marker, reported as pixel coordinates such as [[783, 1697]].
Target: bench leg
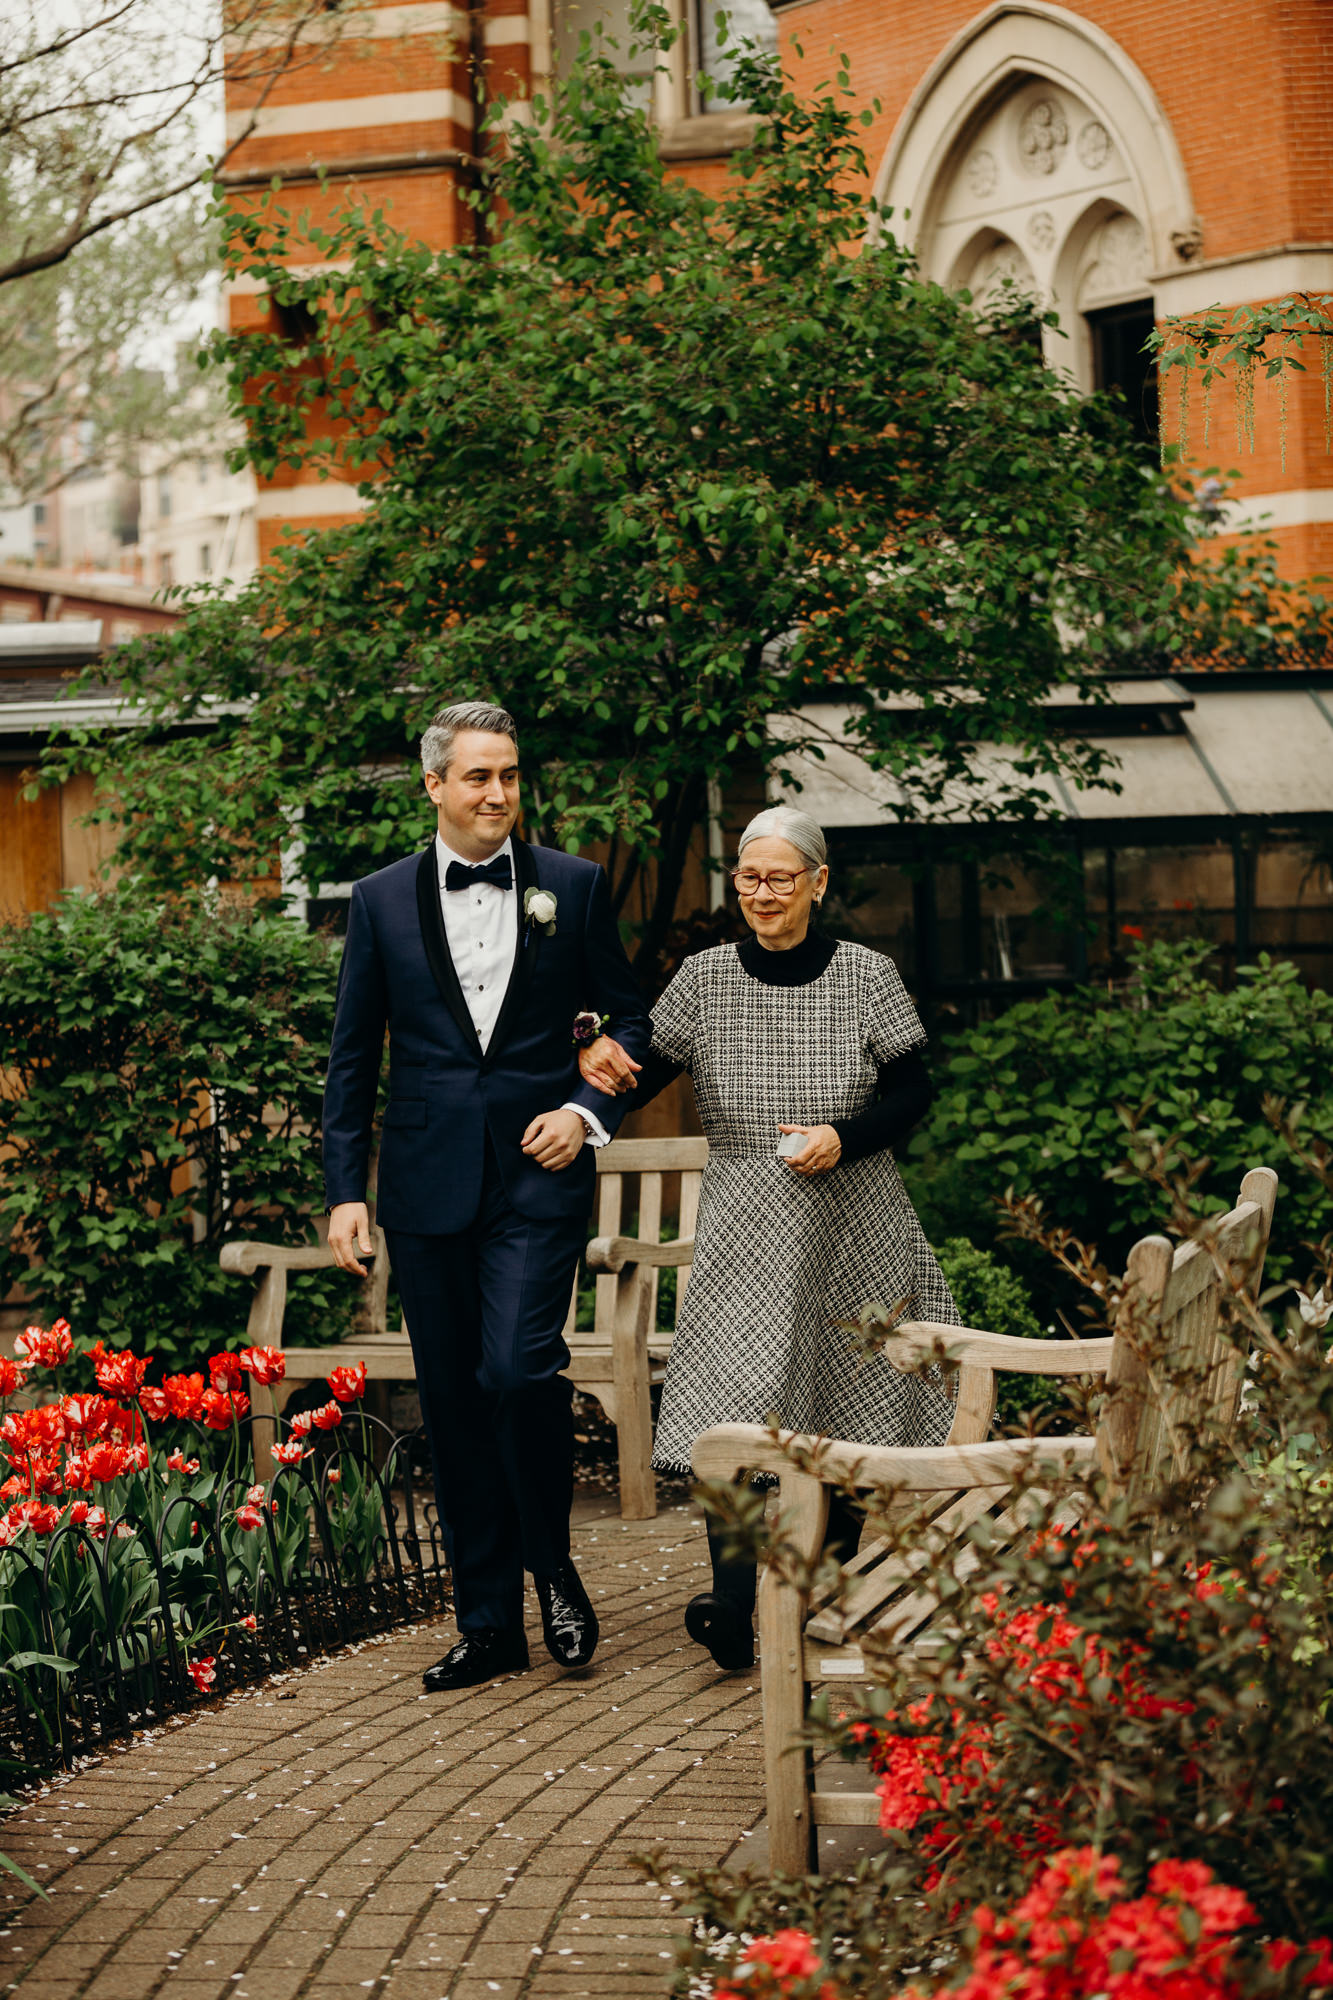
[[788, 1760], [633, 1406]]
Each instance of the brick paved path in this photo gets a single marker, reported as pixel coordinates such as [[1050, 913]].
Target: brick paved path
[[337, 1833]]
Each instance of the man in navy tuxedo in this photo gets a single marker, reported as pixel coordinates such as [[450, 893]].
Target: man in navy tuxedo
[[476, 955]]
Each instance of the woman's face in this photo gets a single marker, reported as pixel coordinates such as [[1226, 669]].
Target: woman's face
[[778, 919]]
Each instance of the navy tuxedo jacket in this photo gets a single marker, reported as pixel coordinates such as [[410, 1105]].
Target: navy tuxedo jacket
[[444, 1093]]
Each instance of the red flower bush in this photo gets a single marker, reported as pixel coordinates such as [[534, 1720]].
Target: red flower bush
[[785, 1965], [266, 1364], [348, 1383], [1076, 1933]]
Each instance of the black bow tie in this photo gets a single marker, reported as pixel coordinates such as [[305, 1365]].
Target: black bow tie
[[500, 871]]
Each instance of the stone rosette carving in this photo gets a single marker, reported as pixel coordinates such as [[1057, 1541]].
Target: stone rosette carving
[[1041, 229], [982, 171], [1043, 134], [1094, 145]]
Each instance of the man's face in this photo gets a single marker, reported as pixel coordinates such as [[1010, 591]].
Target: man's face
[[477, 798]]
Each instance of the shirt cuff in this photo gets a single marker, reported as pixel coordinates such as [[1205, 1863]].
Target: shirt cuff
[[597, 1132]]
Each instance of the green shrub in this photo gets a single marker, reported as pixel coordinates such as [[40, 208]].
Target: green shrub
[[991, 1296], [163, 1064], [1037, 1100]]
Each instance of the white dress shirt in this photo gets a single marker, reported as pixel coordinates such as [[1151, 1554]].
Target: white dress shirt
[[481, 928]]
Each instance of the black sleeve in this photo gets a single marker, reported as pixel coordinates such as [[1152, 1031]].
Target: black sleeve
[[904, 1097], [657, 1072]]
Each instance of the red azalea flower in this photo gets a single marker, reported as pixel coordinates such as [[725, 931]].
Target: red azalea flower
[[39, 1347], [184, 1394], [225, 1371], [154, 1405], [120, 1373], [266, 1364], [348, 1383], [249, 1516], [327, 1418], [220, 1409], [105, 1462], [202, 1672], [10, 1375]]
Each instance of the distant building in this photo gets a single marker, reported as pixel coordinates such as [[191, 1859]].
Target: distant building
[[196, 519]]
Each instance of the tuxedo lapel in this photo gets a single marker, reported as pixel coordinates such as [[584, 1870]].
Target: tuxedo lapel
[[438, 955], [526, 949]]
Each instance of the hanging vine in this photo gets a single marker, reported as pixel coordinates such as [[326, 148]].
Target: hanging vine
[[1269, 338]]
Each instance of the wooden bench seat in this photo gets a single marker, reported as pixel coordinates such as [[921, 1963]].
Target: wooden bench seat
[[616, 1360], [806, 1638]]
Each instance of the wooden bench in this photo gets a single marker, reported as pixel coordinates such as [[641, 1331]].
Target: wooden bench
[[616, 1360], [1173, 1298]]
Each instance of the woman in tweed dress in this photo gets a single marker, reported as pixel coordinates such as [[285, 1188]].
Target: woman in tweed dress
[[790, 1036]]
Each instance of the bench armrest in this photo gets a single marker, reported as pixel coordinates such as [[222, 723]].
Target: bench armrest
[[728, 1449], [612, 1253], [916, 1340], [247, 1258]]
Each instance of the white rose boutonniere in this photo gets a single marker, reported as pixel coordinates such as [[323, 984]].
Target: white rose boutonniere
[[539, 907]]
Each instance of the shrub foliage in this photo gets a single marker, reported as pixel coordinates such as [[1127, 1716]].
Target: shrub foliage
[[163, 1063]]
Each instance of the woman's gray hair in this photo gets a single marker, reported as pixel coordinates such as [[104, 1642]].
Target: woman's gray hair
[[437, 743], [791, 824]]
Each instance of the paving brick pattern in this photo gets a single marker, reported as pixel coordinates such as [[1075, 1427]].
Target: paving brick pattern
[[337, 1833]]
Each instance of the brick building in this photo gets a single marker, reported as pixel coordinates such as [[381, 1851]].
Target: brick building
[[1126, 160]]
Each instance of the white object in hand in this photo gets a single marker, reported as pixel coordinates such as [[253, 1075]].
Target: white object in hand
[[792, 1143]]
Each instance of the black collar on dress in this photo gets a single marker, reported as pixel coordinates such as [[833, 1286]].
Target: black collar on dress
[[804, 963]]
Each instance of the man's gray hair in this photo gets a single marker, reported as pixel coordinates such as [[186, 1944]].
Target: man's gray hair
[[437, 743], [788, 823]]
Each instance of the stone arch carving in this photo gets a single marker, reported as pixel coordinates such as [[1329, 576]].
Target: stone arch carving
[[1084, 101]]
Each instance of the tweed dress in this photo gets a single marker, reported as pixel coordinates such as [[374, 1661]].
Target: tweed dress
[[780, 1257]]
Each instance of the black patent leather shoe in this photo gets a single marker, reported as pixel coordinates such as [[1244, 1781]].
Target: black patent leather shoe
[[478, 1657], [569, 1623], [724, 1628]]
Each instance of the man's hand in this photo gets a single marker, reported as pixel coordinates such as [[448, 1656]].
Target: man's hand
[[605, 1065], [823, 1151], [349, 1231], [553, 1139]]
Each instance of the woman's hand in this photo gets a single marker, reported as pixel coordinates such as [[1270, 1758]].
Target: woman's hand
[[605, 1065], [823, 1151]]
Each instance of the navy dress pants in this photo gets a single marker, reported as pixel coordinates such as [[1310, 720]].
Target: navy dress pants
[[485, 1311]]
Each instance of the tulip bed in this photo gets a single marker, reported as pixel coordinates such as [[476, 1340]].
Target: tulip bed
[[143, 1559]]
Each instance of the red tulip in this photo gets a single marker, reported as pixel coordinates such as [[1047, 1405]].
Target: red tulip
[[180, 1463], [327, 1417], [120, 1373], [105, 1461], [220, 1409], [38, 1515], [154, 1405], [266, 1364], [225, 1371], [301, 1423], [249, 1623], [289, 1454], [10, 1375], [202, 1672], [348, 1383], [184, 1395], [39, 1347], [249, 1516]]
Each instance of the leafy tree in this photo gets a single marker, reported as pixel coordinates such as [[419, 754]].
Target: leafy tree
[[652, 465]]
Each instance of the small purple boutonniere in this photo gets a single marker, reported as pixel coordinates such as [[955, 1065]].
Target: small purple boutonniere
[[587, 1028], [539, 907]]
